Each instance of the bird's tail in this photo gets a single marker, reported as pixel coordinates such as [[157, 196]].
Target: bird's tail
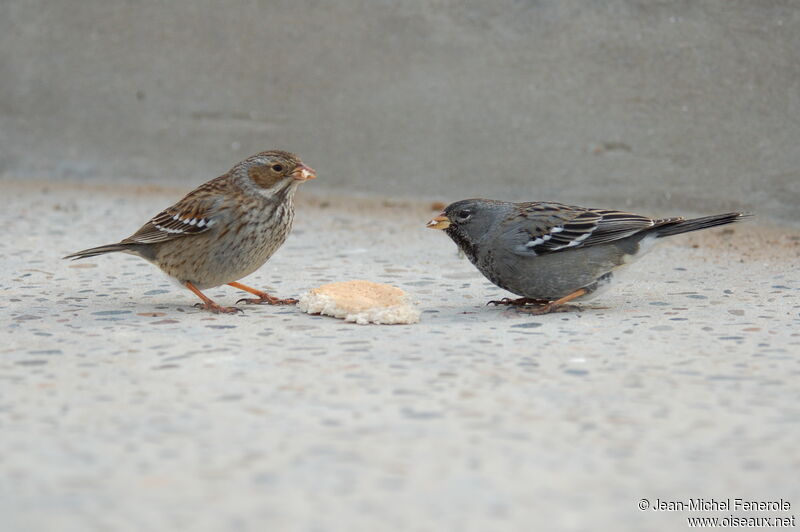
[[100, 250], [677, 226]]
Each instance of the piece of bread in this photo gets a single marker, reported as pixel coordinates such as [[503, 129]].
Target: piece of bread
[[361, 302]]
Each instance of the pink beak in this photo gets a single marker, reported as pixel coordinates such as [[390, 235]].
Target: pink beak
[[303, 173]]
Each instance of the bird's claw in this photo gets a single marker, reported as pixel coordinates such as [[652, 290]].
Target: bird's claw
[[217, 309], [267, 300], [547, 309]]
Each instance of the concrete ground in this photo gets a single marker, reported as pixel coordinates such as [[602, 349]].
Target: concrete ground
[[122, 407]]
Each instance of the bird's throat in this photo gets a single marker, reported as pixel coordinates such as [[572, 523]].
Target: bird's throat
[[464, 244]]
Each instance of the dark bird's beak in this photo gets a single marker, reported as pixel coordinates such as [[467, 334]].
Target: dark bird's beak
[[440, 222], [303, 173]]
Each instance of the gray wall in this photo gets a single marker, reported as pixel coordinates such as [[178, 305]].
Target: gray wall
[[640, 104]]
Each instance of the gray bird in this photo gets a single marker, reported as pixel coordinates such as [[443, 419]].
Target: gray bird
[[550, 253]]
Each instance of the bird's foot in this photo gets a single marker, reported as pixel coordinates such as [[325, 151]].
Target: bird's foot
[[217, 309], [549, 308], [266, 299], [559, 305], [263, 297], [521, 302], [208, 304]]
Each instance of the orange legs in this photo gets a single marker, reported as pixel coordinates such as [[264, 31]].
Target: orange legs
[[558, 304], [208, 304], [262, 298]]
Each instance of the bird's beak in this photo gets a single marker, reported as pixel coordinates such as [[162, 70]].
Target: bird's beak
[[440, 222], [303, 173]]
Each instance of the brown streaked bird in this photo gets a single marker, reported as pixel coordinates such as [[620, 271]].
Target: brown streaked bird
[[551, 253], [224, 229]]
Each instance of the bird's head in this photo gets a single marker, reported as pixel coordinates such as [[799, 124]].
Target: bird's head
[[467, 221], [271, 171]]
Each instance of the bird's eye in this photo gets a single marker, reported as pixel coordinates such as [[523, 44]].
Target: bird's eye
[[463, 215], [277, 167]]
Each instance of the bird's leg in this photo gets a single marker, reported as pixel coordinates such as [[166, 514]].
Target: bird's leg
[[263, 297], [521, 302], [558, 304], [208, 304]]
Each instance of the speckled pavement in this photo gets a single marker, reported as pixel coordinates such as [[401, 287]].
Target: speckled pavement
[[122, 407]]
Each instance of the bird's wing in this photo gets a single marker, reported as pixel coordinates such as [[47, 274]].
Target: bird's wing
[[196, 213], [551, 227]]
